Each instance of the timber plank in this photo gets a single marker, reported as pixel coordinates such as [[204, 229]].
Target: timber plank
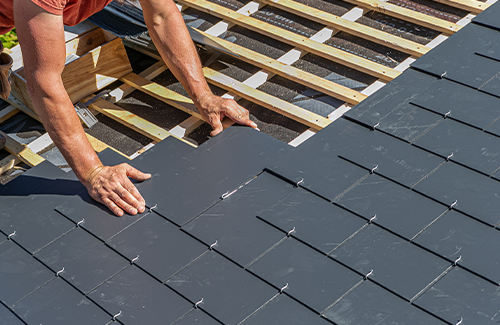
[[472, 6], [7, 113], [21, 151]]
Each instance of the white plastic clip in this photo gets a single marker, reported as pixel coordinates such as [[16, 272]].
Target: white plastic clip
[[448, 158], [448, 113], [290, 232], [80, 222], [373, 169], [114, 317], [11, 235], [375, 126], [369, 273], [213, 245], [443, 74], [457, 260], [460, 321], [372, 218], [299, 182], [282, 289], [134, 259], [453, 204], [60, 271]]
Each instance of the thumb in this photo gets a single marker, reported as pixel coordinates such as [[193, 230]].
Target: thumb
[[217, 127], [136, 174]]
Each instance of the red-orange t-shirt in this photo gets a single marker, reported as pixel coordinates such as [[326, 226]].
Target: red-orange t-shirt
[[73, 11]]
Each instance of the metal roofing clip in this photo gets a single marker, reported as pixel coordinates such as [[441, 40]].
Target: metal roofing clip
[[448, 113], [228, 194], [375, 126], [299, 182], [213, 245], [11, 235], [114, 317], [457, 260], [134, 259], [80, 222], [448, 158], [443, 75], [60, 271], [372, 218], [199, 302], [460, 321], [286, 286], [373, 169], [290, 232], [453, 204], [369, 273], [153, 207]]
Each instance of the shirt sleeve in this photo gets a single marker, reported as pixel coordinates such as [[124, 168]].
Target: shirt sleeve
[[55, 7]]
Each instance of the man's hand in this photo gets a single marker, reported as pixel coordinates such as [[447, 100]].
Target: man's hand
[[110, 185], [214, 108]]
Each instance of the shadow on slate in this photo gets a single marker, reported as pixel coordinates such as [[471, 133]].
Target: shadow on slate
[[462, 295], [315, 221], [456, 235], [59, 303], [200, 179], [398, 265], [489, 17], [155, 241], [371, 304], [140, 299], [232, 222], [229, 293], [392, 205], [86, 261]]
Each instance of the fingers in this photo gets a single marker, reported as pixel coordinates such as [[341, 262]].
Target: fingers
[[136, 174], [240, 116], [216, 126]]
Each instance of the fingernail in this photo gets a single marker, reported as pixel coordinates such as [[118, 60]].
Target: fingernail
[[254, 125], [132, 211], [257, 129], [142, 208]]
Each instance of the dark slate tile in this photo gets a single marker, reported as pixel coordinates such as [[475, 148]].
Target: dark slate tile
[[35, 222], [394, 159], [316, 221], [492, 86], [229, 292], [391, 103], [494, 128], [460, 102], [58, 303], [455, 235], [370, 304], [162, 248], [233, 223], [489, 17], [470, 146], [140, 299], [475, 194], [233, 157], [197, 316], [87, 262], [110, 157], [284, 310], [97, 218], [20, 273], [7, 317], [393, 205], [392, 259], [307, 272], [460, 294]]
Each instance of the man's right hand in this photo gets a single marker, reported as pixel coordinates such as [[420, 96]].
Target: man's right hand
[[110, 185]]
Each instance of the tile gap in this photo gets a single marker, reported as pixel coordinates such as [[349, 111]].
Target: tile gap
[[128, 226], [185, 314], [55, 239], [344, 295], [428, 174], [433, 282], [430, 224], [185, 266], [339, 196], [350, 237], [428, 130], [494, 76], [265, 252], [258, 309], [33, 291]]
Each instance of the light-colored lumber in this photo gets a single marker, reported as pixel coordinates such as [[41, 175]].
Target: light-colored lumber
[[7, 113], [472, 6], [21, 151], [8, 162], [299, 76], [265, 100], [329, 52], [350, 27]]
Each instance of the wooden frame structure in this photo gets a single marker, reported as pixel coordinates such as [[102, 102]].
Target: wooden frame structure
[[270, 67]]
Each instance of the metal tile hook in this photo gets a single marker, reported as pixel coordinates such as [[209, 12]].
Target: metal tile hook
[[290, 232], [373, 169], [134, 259], [457, 260], [375, 126], [59, 272], [443, 75], [453, 204], [152, 208], [372, 218], [448, 113], [115, 316], [299, 182], [213, 245], [448, 158], [11, 235], [369, 273], [198, 303], [460, 321], [283, 288], [80, 222]]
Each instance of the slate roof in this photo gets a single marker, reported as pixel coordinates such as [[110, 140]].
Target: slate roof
[[387, 216]]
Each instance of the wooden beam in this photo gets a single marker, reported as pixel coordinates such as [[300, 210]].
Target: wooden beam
[[408, 15], [7, 113], [357, 29], [8, 162], [472, 6], [265, 100], [21, 151], [329, 52], [297, 75]]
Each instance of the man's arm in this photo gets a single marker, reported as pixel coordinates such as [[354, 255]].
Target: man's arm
[[41, 35], [171, 37]]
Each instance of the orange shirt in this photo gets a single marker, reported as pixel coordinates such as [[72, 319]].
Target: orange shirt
[[73, 11]]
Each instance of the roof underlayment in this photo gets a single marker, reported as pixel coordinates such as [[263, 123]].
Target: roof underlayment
[[387, 216]]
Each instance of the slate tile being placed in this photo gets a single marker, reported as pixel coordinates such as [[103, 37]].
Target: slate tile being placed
[[229, 292], [371, 304], [476, 194], [140, 298], [460, 102], [470, 146], [232, 158], [87, 262], [233, 224], [197, 316], [460, 294], [162, 248], [393, 158], [285, 310], [59, 303], [455, 235], [316, 221], [7, 317], [20, 273], [397, 264], [313, 278], [393, 204]]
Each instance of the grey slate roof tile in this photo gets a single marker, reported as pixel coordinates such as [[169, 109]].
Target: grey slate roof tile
[[58, 303], [195, 317], [20, 273], [393, 205], [162, 248], [475, 194], [315, 221], [397, 264], [229, 292], [370, 304], [455, 235], [305, 271], [139, 298], [233, 223], [489, 17], [87, 262], [7, 317], [462, 295], [492, 86]]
